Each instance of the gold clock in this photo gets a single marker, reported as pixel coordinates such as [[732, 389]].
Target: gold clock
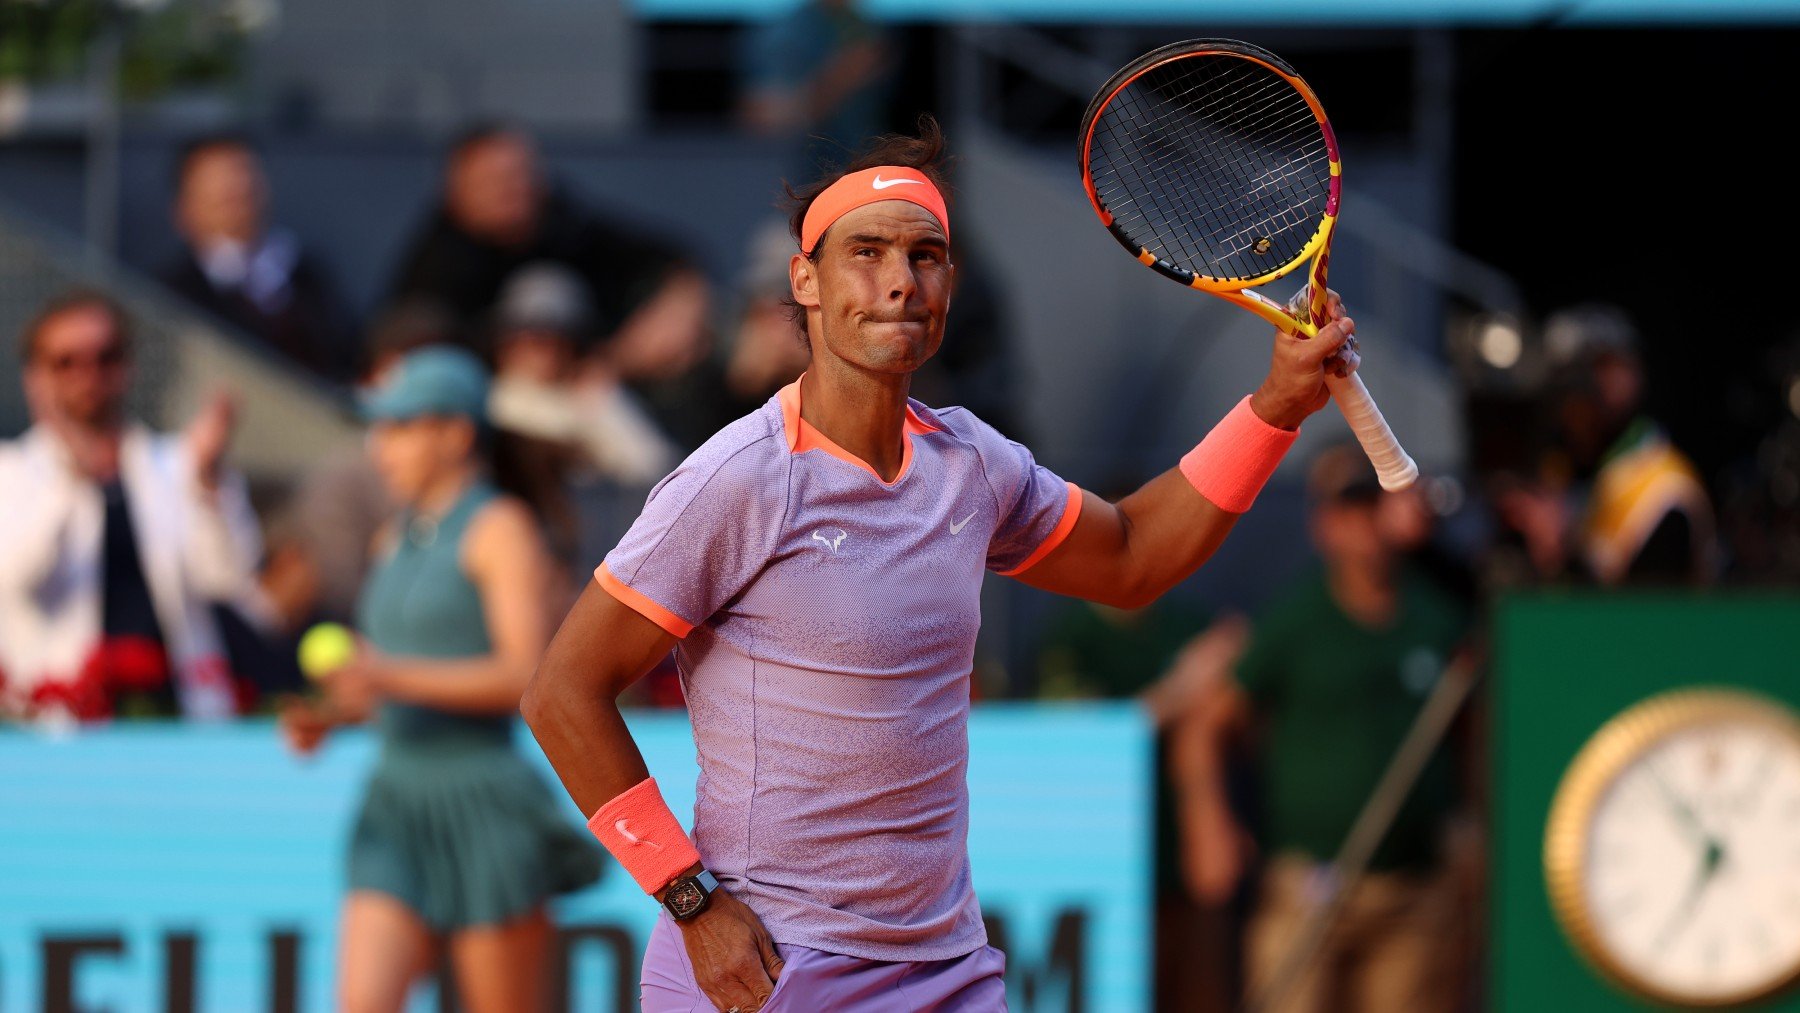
[[1672, 851]]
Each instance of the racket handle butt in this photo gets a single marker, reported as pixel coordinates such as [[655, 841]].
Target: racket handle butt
[[1402, 476], [1393, 465]]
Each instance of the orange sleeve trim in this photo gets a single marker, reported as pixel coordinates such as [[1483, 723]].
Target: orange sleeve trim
[[1071, 514], [642, 603]]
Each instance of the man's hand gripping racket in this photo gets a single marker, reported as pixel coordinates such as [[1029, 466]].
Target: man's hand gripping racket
[[1212, 162]]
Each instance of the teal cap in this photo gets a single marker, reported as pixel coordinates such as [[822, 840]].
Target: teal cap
[[438, 380]]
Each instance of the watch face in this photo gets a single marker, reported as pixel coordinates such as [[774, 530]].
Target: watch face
[[685, 899], [1678, 873]]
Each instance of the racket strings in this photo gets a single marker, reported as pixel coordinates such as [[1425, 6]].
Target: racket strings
[[1119, 199], [1155, 122], [1151, 125], [1149, 206], [1245, 167], [1223, 104], [1234, 234], [1171, 107], [1215, 163]]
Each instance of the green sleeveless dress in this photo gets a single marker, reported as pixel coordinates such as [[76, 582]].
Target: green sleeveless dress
[[454, 824]]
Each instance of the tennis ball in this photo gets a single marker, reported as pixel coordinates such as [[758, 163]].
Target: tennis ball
[[326, 648]]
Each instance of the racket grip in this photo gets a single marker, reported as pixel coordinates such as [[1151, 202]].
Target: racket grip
[[1392, 463]]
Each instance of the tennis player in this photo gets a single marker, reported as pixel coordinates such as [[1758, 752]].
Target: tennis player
[[458, 845], [817, 565]]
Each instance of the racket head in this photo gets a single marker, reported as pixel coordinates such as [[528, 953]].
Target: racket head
[[1212, 162]]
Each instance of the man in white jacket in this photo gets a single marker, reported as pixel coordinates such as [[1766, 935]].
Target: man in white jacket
[[114, 540]]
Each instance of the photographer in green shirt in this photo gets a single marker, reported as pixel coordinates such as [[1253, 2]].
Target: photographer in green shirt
[[1336, 670]]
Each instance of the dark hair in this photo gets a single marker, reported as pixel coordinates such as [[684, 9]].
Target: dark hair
[[206, 144], [924, 152], [69, 302], [409, 324]]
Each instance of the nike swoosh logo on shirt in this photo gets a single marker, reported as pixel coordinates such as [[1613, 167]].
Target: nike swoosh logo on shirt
[[883, 184], [956, 526]]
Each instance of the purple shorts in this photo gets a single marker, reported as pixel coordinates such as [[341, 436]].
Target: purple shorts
[[813, 980]]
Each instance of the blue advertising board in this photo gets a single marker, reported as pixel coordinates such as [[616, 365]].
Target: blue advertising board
[[167, 867]]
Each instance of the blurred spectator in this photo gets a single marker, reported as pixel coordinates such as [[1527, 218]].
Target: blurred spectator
[[316, 567], [543, 388], [821, 72], [768, 349], [499, 213], [1619, 501], [457, 845], [1333, 676], [1760, 504], [241, 269], [117, 540], [559, 415], [665, 355], [689, 389]]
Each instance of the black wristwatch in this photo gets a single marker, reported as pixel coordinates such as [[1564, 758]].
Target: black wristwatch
[[689, 895]]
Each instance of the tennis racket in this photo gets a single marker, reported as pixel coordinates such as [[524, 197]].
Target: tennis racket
[[1212, 162]]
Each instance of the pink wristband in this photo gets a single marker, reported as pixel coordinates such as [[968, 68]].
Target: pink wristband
[[641, 832], [1231, 465]]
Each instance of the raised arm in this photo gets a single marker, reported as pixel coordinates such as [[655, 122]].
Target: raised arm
[[1131, 552], [224, 541]]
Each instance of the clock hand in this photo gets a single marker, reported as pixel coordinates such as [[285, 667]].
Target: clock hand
[[1709, 867], [1684, 813]]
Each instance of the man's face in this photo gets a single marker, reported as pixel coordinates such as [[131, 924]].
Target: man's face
[[79, 366], [222, 197], [493, 189], [877, 295]]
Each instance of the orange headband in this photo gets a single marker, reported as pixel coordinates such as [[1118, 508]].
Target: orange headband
[[884, 182]]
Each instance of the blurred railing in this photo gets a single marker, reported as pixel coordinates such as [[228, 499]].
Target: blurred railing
[[285, 419]]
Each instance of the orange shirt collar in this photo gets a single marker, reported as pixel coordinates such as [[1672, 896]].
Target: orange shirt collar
[[802, 437]]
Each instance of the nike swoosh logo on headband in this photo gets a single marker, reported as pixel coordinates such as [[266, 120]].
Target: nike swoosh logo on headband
[[883, 184]]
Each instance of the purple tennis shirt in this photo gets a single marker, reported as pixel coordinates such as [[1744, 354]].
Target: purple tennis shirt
[[828, 626]]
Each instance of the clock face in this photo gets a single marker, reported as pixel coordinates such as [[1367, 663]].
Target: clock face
[[1674, 848]]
